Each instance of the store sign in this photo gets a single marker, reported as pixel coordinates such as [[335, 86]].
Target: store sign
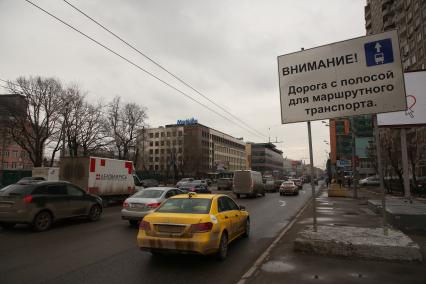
[[189, 121], [353, 77], [415, 86], [343, 163]]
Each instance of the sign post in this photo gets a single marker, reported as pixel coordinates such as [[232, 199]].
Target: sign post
[[353, 77]]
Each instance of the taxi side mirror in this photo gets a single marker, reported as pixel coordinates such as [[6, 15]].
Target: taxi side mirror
[[242, 208]]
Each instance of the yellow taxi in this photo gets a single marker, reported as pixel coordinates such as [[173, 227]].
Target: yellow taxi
[[195, 224]]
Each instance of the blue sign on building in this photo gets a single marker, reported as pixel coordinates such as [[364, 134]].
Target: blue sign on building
[[190, 121], [378, 52]]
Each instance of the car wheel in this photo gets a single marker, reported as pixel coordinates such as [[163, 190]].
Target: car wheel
[[95, 213], [247, 229], [42, 221], [133, 223], [223, 247], [7, 226], [238, 195]]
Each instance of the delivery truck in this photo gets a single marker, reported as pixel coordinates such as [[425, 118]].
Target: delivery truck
[[110, 179]]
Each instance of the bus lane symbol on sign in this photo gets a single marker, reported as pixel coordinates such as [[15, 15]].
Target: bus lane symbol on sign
[[378, 52]]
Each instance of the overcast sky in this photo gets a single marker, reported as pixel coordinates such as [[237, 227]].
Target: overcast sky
[[225, 49]]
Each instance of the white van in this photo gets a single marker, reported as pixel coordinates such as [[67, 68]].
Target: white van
[[248, 183]]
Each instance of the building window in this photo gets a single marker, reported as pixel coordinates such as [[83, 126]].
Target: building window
[[180, 133], [151, 143], [13, 165], [151, 151], [174, 134], [157, 134], [156, 143], [168, 134], [15, 153], [156, 151], [162, 143], [157, 159], [151, 159], [6, 153], [162, 134], [162, 151]]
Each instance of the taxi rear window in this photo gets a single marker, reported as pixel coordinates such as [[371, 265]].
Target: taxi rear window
[[186, 205]]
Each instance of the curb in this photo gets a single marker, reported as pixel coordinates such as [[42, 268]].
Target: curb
[[265, 254]]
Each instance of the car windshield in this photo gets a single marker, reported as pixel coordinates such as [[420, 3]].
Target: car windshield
[[148, 193], [20, 189], [186, 205], [287, 183]]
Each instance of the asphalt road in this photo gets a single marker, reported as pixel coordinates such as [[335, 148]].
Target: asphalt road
[[78, 251]]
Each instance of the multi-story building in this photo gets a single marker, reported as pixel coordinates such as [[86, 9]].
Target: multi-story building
[[189, 149], [266, 158], [12, 156], [409, 17]]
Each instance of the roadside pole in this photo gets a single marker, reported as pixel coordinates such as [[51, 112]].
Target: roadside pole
[[403, 133], [380, 173], [354, 169], [311, 157]]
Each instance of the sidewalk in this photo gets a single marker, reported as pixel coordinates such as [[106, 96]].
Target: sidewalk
[[284, 265]]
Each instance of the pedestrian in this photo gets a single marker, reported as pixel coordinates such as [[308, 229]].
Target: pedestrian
[[327, 181], [349, 182]]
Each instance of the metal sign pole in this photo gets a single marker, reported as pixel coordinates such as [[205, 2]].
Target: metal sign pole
[[380, 173], [404, 153], [311, 157], [354, 169]]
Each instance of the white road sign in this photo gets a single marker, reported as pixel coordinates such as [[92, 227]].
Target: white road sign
[[353, 77], [415, 87]]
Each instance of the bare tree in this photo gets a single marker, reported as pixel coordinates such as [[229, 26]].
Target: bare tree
[[124, 123], [82, 123], [33, 124]]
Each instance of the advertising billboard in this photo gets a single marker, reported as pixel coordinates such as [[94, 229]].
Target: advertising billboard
[[353, 77], [415, 88]]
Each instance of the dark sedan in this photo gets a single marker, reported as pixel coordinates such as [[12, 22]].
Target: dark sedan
[[40, 204], [197, 188]]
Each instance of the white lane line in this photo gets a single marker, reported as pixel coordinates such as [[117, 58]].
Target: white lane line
[[282, 203]]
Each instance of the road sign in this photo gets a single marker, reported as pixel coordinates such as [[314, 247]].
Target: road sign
[[353, 77], [415, 85]]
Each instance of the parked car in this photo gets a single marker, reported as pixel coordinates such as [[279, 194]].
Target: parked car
[[183, 181], [40, 204], [195, 186], [145, 201], [224, 184], [248, 183], [289, 187], [373, 181], [270, 185], [209, 182], [149, 182], [194, 224]]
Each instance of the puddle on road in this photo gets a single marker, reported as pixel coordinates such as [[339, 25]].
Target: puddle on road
[[319, 219], [277, 266]]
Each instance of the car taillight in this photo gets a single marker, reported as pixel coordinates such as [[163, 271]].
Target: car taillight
[[153, 205], [201, 227], [28, 198], [144, 225], [125, 204]]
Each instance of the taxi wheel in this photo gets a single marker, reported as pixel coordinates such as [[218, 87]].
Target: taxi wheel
[[247, 229], [223, 247]]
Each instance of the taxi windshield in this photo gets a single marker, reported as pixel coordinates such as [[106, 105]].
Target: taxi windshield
[[186, 205]]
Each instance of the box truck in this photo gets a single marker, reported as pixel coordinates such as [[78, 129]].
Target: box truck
[[108, 178]]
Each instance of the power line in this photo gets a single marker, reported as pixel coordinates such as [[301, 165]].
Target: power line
[[137, 66], [160, 66]]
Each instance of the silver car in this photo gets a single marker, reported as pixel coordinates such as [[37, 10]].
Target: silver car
[[144, 202]]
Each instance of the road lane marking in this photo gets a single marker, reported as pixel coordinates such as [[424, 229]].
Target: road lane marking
[[282, 203]]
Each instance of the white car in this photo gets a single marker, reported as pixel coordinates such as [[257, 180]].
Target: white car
[[184, 181], [373, 180]]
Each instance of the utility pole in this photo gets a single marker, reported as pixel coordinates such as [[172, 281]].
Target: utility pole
[[354, 168]]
